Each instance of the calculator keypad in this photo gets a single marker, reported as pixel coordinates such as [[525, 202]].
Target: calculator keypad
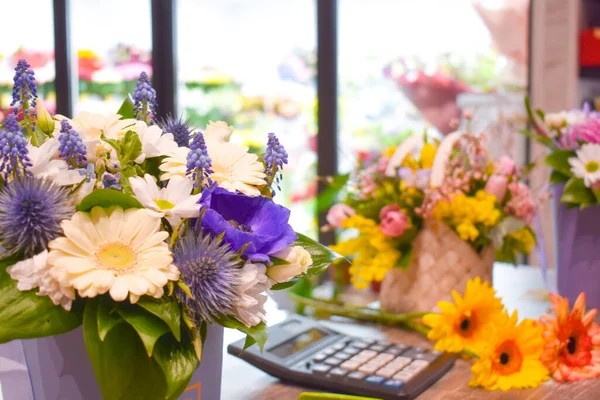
[[374, 362]]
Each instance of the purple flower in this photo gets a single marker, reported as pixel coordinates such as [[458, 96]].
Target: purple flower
[[13, 149], [24, 92], [71, 147], [144, 97], [275, 158], [110, 181], [180, 129], [211, 271], [198, 162], [253, 221]]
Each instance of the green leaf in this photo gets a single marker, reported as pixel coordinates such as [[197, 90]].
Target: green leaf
[[114, 143], [106, 198], [575, 192], [278, 261], [127, 172], [322, 256], [39, 137], [122, 367], [329, 195], [556, 178], [249, 342], [25, 315], [546, 141], [178, 361], [558, 160], [285, 285], [149, 327], [106, 319], [404, 261], [540, 114], [259, 334], [166, 309], [126, 110], [131, 147]]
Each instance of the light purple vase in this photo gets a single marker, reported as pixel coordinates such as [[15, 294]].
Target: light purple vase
[[577, 249], [57, 368]]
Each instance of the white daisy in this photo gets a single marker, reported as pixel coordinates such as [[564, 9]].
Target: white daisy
[[120, 252], [154, 142], [34, 273], [175, 164], [249, 307], [218, 131], [236, 169], [93, 125], [587, 163], [45, 164], [175, 201]]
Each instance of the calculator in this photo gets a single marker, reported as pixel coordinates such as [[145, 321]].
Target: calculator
[[304, 352]]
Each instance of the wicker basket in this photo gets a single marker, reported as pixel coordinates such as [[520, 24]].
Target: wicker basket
[[441, 262]]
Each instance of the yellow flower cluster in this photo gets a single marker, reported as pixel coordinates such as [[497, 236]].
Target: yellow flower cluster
[[427, 156], [464, 213], [526, 238], [373, 252]]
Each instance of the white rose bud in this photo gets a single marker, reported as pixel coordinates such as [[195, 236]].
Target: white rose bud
[[44, 119], [218, 131], [555, 120], [299, 260]]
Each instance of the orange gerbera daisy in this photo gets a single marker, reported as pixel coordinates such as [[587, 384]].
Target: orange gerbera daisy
[[572, 350]]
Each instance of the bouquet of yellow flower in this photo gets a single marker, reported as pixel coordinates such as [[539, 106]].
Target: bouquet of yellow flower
[[402, 206]]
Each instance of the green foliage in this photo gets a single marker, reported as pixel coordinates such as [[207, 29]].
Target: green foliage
[[149, 327], [39, 136], [558, 160], [577, 194], [126, 109], [166, 309], [322, 256], [328, 196], [106, 198], [256, 334], [557, 178]]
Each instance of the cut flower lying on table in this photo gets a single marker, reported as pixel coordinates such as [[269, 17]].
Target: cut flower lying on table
[[110, 222], [512, 354]]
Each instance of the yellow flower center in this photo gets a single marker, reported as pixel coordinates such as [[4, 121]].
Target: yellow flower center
[[592, 166], [164, 204], [508, 358], [116, 256]]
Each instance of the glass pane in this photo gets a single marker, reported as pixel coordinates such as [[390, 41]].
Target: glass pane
[[252, 64], [33, 42], [407, 65], [113, 41]]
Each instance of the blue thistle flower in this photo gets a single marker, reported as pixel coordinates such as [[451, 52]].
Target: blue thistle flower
[[180, 129], [198, 162], [71, 147], [13, 149], [24, 89], [211, 271], [110, 181], [144, 97], [275, 158], [31, 210]]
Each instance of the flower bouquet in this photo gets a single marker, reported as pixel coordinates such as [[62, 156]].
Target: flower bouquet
[[148, 235], [573, 140], [428, 221]]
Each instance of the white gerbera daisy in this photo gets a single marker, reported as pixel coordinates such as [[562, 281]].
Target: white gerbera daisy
[[175, 164], [34, 273], [154, 142], [93, 125], [587, 163], [249, 307], [44, 164], [120, 252], [218, 131], [236, 169], [175, 201]]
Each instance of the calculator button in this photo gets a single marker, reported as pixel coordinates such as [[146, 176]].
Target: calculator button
[[351, 350], [333, 361], [400, 362], [412, 352], [387, 372], [394, 384], [383, 342], [356, 375], [329, 351], [377, 347], [338, 372], [338, 346], [375, 380], [351, 365], [420, 363], [394, 351], [359, 345], [320, 368], [320, 357], [418, 349], [369, 341], [367, 353], [427, 356], [384, 357], [369, 368], [400, 347], [342, 356], [404, 375]]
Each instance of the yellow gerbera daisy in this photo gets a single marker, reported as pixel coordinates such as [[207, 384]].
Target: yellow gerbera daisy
[[116, 251], [462, 325], [510, 358]]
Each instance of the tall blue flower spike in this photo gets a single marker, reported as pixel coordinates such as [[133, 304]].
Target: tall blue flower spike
[[13, 149], [199, 163], [275, 158], [144, 97]]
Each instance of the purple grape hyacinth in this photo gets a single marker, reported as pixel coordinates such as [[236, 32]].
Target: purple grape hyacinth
[[24, 92], [180, 129], [198, 162], [275, 158], [144, 97], [111, 181], [13, 149], [71, 147]]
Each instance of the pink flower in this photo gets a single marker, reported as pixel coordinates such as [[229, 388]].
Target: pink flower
[[496, 186], [587, 131], [338, 213], [506, 166], [393, 220], [382, 164], [521, 203]]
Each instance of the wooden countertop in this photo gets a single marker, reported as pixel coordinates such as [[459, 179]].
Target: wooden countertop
[[520, 288]]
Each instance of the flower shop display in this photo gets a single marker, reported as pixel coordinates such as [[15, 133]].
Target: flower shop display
[[149, 238], [573, 141], [425, 222]]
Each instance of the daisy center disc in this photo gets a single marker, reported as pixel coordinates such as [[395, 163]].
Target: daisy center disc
[[592, 166], [467, 324], [164, 204], [508, 358], [116, 256]]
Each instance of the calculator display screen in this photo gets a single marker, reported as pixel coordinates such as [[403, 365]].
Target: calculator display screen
[[298, 343]]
